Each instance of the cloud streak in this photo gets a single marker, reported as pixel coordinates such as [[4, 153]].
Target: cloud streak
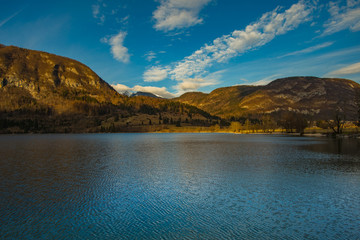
[[343, 17], [266, 80], [178, 14], [3, 22], [309, 49], [351, 69]]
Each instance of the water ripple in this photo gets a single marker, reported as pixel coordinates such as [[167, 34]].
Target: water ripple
[[171, 186]]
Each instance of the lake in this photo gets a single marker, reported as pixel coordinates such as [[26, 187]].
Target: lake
[[171, 186]]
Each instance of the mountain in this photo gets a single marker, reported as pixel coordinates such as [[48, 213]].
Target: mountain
[[221, 101], [146, 94], [319, 98], [36, 79], [43, 92]]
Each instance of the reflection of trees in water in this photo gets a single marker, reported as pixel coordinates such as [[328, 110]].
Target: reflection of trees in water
[[340, 155], [337, 146]]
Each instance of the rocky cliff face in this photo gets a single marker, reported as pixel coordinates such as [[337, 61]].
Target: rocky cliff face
[[28, 76], [316, 97]]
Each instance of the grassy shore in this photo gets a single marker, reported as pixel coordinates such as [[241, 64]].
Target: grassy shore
[[314, 131]]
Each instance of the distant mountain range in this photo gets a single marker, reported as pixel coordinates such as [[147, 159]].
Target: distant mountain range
[[319, 98], [67, 96]]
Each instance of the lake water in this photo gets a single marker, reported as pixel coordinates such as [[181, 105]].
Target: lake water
[[171, 186]]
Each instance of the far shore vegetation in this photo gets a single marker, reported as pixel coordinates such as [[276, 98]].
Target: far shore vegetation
[[182, 120]]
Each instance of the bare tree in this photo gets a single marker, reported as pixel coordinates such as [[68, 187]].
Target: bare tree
[[337, 124]]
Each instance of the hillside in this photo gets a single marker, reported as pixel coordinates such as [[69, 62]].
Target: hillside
[[221, 101], [43, 92], [319, 98], [35, 79]]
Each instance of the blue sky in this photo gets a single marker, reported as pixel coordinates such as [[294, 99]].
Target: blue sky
[[169, 47]]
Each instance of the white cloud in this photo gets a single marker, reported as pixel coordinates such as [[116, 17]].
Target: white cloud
[[121, 88], [124, 20], [351, 69], [178, 14], [352, 3], [155, 74], [95, 10], [110, 11], [150, 56], [96, 13], [194, 67], [159, 91], [309, 49], [239, 41], [116, 42], [343, 17], [193, 84]]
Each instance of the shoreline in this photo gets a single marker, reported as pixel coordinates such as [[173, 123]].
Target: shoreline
[[278, 133]]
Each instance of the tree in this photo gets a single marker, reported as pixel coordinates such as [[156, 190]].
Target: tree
[[322, 124], [217, 128], [166, 120], [300, 123], [235, 127], [337, 124], [291, 121], [287, 121], [178, 123], [247, 125], [268, 124]]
